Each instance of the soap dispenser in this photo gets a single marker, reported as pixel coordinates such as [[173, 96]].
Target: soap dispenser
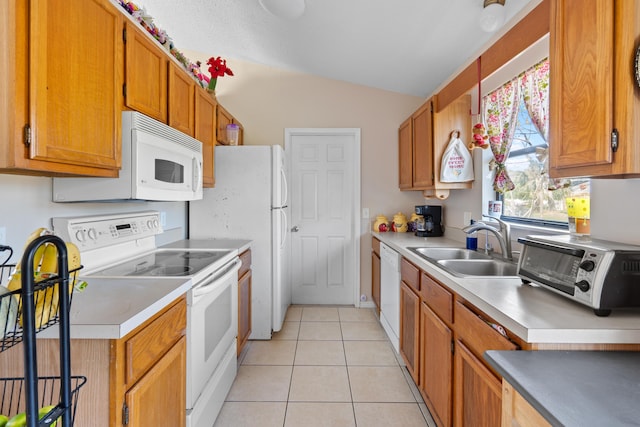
[[472, 239]]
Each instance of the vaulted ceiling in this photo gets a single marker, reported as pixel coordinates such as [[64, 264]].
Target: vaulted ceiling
[[405, 46]]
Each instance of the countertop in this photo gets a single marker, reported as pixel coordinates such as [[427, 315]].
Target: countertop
[[575, 388], [110, 308], [534, 314]]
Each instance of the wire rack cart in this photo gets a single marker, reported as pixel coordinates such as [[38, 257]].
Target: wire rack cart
[[43, 300]]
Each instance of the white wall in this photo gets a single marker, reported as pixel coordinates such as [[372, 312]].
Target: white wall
[[25, 205]]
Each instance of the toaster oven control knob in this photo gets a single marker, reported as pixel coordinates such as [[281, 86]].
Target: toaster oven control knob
[[587, 265], [583, 285]]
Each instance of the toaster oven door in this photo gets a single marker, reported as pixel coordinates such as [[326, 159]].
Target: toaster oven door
[[551, 265]]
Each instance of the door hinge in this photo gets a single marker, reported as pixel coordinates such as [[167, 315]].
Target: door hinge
[[453, 347], [124, 35], [27, 134], [125, 414], [614, 140]]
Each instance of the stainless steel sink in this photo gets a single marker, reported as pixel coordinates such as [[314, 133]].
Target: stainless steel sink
[[479, 267], [448, 253]]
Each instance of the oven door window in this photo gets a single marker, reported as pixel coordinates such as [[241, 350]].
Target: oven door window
[[169, 171], [217, 322]]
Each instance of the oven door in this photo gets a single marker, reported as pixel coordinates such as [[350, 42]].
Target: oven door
[[212, 326]]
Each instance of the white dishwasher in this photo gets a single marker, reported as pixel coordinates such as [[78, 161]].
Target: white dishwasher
[[390, 294]]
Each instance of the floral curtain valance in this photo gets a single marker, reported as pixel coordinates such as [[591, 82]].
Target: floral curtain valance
[[500, 112]]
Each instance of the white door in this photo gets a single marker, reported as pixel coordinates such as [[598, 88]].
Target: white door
[[325, 202]]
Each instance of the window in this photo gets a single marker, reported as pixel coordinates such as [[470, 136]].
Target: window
[[516, 117], [531, 201]]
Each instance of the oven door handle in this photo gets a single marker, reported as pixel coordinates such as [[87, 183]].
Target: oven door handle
[[217, 277]]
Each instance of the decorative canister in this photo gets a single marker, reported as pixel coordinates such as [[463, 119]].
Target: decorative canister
[[381, 224], [412, 224], [399, 223]]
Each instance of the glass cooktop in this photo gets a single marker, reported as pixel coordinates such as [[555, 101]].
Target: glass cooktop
[[165, 263]]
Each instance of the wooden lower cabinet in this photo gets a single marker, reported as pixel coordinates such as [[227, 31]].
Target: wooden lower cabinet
[[517, 412], [158, 399], [478, 392], [244, 300], [410, 330], [375, 280], [141, 376], [436, 365]]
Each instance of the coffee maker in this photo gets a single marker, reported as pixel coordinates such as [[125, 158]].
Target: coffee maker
[[431, 225]]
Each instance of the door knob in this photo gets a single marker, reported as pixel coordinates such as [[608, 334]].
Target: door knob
[[295, 229]]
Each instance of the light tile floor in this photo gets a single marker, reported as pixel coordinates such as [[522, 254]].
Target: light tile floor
[[328, 366]]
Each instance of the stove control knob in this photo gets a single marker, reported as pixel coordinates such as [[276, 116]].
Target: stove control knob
[[587, 265], [80, 235], [92, 234], [152, 224], [583, 285]]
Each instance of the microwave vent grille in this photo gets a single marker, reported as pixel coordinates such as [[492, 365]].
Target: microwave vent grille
[[154, 127]]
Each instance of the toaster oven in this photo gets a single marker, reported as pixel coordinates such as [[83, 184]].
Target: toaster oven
[[597, 273]]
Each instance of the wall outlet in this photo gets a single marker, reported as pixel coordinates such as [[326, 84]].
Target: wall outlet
[[163, 219], [467, 219], [3, 235], [365, 212]]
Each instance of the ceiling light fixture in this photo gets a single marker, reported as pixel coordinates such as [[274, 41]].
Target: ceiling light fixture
[[287, 9], [492, 16]]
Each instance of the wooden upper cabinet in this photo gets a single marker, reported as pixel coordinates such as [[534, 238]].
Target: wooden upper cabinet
[[423, 162], [423, 139], [145, 74], [62, 87], [182, 90], [592, 89], [205, 132], [405, 155], [225, 118]]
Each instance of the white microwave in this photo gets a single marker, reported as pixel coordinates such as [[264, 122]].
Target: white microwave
[[159, 163]]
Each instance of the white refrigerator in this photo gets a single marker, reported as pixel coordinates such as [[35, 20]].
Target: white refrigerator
[[249, 201]]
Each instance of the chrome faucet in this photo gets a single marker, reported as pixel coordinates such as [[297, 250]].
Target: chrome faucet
[[503, 234]]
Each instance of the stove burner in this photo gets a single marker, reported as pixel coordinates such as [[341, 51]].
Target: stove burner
[[198, 255], [171, 270]]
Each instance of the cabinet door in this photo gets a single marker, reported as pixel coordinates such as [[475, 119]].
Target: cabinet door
[[405, 150], [478, 393], [158, 399], [244, 310], [182, 89], [581, 92], [409, 330], [375, 280], [223, 119], [423, 147], [145, 75], [75, 92], [205, 132], [436, 365]]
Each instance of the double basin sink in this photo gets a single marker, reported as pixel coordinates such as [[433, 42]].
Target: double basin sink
[[467, 263]]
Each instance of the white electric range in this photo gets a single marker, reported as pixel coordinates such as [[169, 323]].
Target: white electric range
[[123, 246]]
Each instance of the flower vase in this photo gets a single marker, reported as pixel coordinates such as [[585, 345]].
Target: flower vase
[[211, 88]]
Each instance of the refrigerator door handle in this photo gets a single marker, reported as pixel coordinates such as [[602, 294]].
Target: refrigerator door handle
[[285, 188], [285, 227]]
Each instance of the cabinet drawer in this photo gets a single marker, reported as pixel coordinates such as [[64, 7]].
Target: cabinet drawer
[[439, 299], [245, 257], [410, 275], [147, 346], [477, 334], [375, 245]]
